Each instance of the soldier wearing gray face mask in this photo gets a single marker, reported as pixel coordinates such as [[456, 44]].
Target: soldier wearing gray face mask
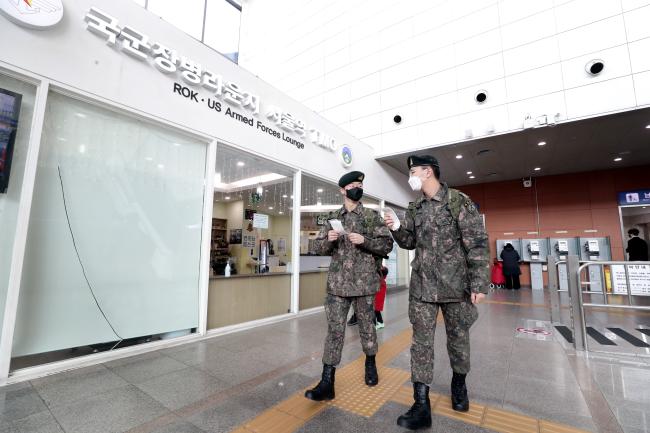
[[450, 272], [353, 278]]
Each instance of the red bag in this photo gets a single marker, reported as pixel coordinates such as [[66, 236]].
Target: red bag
[[497, 274]]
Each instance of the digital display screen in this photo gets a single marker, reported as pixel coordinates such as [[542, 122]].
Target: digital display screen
[[9, 111]]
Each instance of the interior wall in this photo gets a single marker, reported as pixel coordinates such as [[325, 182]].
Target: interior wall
[[572, 203]]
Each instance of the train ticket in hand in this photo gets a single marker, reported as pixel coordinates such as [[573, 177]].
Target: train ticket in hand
[[337, 226], [393, 215]]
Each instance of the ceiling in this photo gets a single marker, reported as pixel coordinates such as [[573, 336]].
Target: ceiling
[[571, 147]]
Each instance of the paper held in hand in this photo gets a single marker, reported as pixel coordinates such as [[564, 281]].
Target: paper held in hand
[[337, 226], [393, 215]]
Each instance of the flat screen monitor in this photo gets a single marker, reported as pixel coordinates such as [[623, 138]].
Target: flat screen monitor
[[9, 111]]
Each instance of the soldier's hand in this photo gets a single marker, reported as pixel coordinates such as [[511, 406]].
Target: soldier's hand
[[356, 238], [389, 221], [332, 235], [477, 298]]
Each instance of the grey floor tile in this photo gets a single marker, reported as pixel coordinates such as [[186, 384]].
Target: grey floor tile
[[235, 369], [183, 387], [78, 384], [336, 420], [114, 411], [228, 415], [19, 401], [179, 427], [276, 390], [142, 368], [42, 422]]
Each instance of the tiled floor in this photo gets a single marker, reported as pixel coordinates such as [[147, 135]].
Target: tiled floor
[[225, 383]]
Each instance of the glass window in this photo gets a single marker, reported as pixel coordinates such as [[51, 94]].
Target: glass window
[[319, 197], [15, 97], [251, 255], [114, 241], [186, 15], [222, 28]]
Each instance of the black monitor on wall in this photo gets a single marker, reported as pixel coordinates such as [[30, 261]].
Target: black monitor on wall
[[9, 111]]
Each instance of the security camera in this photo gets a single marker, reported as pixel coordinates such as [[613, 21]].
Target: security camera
[[528, 182]]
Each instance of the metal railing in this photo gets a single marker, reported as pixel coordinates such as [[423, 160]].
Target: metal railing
[[575, 270]]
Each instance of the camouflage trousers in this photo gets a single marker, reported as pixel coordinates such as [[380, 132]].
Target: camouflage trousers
[[336, 310], [459, 317]]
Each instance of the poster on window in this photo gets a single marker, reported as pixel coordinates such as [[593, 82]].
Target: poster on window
[[248, 241], [235, 236], [639, 276], [282, 246]]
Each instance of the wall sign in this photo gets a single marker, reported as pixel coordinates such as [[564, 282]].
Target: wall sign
[[34, 14], [639, 276], [345, 154], [630, 198], [215, 89], [248, 241], [261, 221]]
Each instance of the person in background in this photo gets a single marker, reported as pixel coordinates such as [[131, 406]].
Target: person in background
[[637, 248], [380, 297], [511, 270]]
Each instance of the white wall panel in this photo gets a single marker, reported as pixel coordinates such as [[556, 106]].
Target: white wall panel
[[479, 71], [602, 97], [633, 4], [549, 104], [530, 56], [436, 84], [366, 85], [496, 92], [534, 83], [398, 95], [440, 131], [593, 37], [640, 55], [366, 126], [637, 23], [642, 87], [577, 13], [617, 64], [438, 107], [478, 47], [364, 106], [515, 10], [408, 114], [529, 29]]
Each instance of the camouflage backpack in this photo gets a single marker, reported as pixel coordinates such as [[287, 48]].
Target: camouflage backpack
[[456, 201]]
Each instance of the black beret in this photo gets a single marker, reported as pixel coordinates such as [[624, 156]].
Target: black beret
[[348, 178], [420, 160]]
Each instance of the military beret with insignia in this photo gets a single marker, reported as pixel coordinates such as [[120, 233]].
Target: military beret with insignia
[[348, 178], [422, 160]]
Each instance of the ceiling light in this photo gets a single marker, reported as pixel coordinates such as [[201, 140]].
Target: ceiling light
[[472, 177], [270, 207], [148, 158], [319, 203], [541, 143], [82, 115], [618, 159], [240, 164], [259, 189], [319, 190], [82, 148], [459, 156], [161, 166], [647, 127], [292, 197], [469, 172], [538, 168], [227, 197], [281, 213], [284, 196]]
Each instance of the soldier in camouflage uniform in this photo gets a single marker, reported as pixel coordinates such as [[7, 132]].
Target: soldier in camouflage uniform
[[353, 278], [450, 272]]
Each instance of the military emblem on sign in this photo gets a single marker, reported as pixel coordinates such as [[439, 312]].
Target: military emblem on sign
[[345, 153]]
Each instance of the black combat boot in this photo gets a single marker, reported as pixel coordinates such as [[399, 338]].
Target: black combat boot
[[372, 378], [419, 415], [459, 399], [325, 388]]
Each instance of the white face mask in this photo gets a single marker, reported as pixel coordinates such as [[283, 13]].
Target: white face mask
[[415, 182]]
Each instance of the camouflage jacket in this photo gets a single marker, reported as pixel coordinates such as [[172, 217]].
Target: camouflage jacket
[[451, 254], [354, 269]]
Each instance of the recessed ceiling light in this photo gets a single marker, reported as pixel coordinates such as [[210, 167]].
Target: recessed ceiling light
[[319, 190], [469, 172], [541, 143], [148, 158], [472, 177], [270, 207], [284, 196], [647, 127], [161, 166], [227, 197], [618, 159], [538, 168], [291, 197], [281, 213], [240, 164], [459, 156]]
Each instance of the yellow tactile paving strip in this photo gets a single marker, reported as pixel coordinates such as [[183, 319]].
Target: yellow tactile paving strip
[[354, 396], [486, 416]]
